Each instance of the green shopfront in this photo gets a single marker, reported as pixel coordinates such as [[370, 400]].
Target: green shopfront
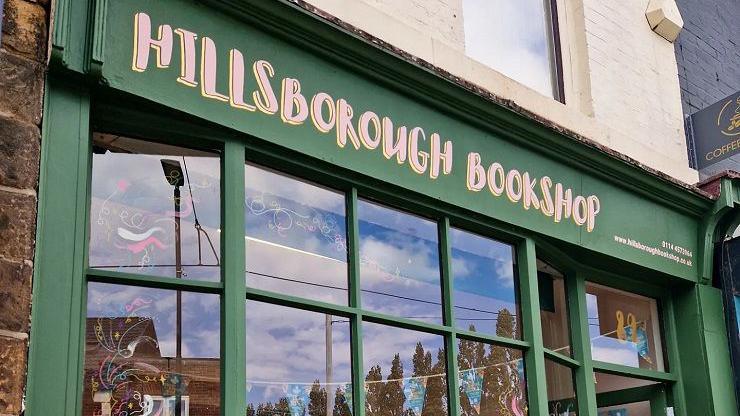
[[247, 210]]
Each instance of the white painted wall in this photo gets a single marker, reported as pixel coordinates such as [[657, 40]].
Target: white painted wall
[[621, 82]]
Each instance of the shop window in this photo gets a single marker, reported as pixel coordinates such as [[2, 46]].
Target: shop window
[[517, 38], [296, 237], [553, 309], [151, 350], [624, 328], [626, 396], [492, 380], [561, 392], [155, 209], [156, 214], [405, 372], [399, 263], [484, 285], [298, 362]]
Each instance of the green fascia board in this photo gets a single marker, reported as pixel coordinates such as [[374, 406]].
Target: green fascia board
[[304, 45], [286, 20]]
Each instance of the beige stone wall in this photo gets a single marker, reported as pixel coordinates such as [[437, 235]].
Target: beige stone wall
[[621, 82], [22, 69]]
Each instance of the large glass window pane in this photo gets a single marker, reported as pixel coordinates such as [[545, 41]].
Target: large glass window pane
[[513, 37], [561, 393], [627, 409], [405, 372], [553, 309], [151, 351], [485, 289], [155, 209], [399, 263], [295, 237], [298, 362], [616, 404], [492, 380], [624, 328]]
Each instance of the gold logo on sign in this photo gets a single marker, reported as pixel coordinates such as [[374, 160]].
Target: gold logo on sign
[[728, 119]]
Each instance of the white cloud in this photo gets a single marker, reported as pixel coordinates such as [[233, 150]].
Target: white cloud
[[511, 38]]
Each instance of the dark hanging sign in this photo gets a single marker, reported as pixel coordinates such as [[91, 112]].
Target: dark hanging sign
[[716, 132]]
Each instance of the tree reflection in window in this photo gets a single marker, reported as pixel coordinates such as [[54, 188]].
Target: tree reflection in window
[[492, 380], [297, 362], [405, 372]]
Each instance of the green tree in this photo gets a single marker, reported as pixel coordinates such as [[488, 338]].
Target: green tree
[[393, 397], [471, 354], [317, 400], [500, 378], [374, 391], [265, 409], [421, 361], [341, 407], [282, 407], [436, 388], [250, 410]]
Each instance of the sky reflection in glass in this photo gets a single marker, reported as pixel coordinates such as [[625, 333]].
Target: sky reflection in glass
[[512, 37], [287, 361], [405, 372], [131, 349], [484, 284], [399, 263], [132, 210], [296, 240]]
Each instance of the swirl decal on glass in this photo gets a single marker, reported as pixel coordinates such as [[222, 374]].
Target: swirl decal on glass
[[155, 209], [136, 363], [282, 219], [296, 237]]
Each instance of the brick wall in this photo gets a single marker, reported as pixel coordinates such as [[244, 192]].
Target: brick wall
[[22, 69], [708, 52], [634, 85]]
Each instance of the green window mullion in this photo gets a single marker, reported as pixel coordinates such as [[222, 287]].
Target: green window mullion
[[633, 372], [674, 362], [561, 359], [171, 283], [84, 174], [581, 341], [659, 401], [58, 284], [534, 357], [355, 301], [233, 302], [445, 251], [493, 339]]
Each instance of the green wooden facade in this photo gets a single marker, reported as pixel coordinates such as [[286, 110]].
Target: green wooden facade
[[633, 230]]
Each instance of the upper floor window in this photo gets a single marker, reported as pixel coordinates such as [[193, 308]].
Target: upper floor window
[[517, 38]]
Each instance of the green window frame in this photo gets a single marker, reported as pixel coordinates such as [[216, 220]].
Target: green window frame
[[61, 273]]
